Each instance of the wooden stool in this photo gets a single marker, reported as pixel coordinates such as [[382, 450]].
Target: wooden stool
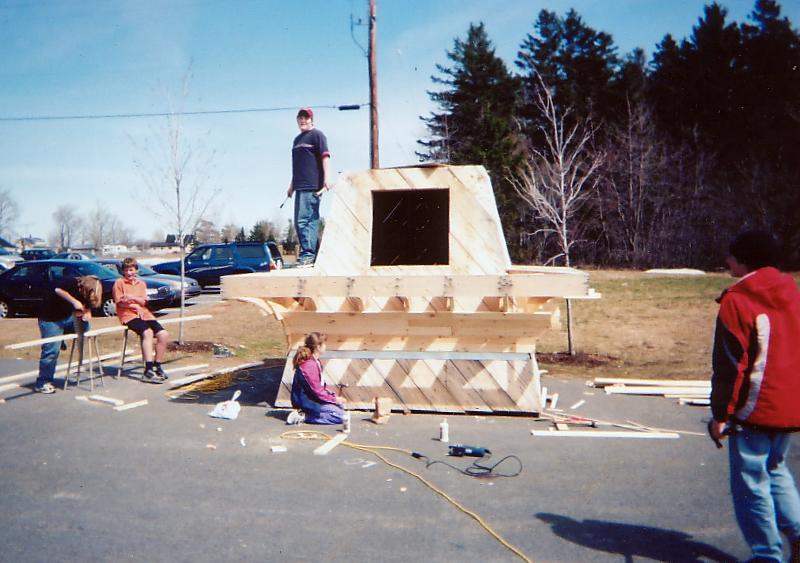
[[94, 352], [124, 351]]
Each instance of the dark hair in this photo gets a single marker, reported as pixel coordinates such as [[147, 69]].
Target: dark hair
[[128, 262], [311, 345], [755, 249]]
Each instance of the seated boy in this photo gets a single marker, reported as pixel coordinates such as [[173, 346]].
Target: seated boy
[[130, 297]]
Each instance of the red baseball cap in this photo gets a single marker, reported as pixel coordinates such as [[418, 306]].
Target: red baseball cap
[[306, 111]]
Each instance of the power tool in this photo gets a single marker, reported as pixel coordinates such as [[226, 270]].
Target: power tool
[[461, 450]]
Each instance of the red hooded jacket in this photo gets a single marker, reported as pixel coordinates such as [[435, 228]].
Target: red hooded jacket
[[756, 357]]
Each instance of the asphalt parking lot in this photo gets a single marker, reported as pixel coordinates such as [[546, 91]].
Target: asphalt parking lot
[[165, 482]]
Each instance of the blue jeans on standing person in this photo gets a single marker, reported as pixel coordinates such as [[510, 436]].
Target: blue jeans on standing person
[[50, 350], [765, 497], [306, 222]]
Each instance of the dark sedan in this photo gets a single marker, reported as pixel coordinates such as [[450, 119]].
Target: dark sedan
[[23, 288], [190, 285], [38, 254]]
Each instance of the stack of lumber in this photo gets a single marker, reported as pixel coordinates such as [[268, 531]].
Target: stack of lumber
[[686, 391]]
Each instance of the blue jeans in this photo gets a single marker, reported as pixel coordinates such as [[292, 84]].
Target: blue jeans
[[50, 350], [765, 497], [306, 222]]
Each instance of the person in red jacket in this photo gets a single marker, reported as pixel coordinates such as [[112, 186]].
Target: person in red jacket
[[755, 393]]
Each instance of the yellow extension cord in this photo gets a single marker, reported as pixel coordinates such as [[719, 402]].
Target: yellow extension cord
[[317, 435]]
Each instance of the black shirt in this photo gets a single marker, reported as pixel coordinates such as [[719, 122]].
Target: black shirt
[[307, 151], [56, 308]]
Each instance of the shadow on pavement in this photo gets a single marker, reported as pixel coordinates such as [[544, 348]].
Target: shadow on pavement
[[258, 385], [630, 540]]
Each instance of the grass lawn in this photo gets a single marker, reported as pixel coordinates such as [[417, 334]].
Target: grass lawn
[[643, 326]]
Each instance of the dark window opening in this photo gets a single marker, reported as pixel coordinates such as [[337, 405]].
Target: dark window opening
[[410, 227]]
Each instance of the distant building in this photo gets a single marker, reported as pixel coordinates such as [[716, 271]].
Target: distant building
[[30, 242], [170, 244], [115, 249]]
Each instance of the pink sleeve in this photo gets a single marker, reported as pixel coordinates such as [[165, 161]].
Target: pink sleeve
[[310, 370]]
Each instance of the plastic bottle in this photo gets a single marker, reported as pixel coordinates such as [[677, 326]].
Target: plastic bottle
[[346, 423], [444, 431]]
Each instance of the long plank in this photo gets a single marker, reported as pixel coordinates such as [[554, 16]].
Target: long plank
[[648, 390], [600, 381], [292, 284], [603, 434], [40, 341]]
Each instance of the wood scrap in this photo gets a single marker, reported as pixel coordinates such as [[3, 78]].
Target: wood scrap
[[330, 444], [128, 406], [383, 409], [107, 400], [605, 434], [9, 387]]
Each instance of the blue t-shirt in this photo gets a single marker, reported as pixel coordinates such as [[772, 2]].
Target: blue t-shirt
[[307, 151]]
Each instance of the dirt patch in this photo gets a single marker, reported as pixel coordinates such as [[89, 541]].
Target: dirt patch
[[580, 359], [190, 346]]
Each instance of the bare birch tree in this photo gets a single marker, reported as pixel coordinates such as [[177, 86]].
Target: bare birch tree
[[9, 212], [175, 167], [558, 178]]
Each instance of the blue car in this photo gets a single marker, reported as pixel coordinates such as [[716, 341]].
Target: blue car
[[23, 288], [209, 262]]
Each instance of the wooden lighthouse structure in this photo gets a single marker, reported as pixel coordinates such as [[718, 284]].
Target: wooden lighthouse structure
[[415, 290]]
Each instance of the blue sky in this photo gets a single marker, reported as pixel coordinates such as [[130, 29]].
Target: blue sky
[[87, 57]]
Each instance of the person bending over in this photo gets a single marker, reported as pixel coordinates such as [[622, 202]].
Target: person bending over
[[316, 403], [130, 297], [70, 303]]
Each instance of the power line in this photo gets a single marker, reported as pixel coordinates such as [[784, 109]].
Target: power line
[[168, 114]]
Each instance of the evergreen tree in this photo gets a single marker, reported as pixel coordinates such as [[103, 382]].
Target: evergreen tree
[[577, 62], [241, 237], [475, 122]]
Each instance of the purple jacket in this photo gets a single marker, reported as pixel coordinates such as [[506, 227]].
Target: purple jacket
[[308, 381]]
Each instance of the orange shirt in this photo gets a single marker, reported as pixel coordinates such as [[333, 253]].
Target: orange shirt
[[134, 288]]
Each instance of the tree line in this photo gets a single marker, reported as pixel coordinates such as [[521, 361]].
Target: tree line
[[676, 154]]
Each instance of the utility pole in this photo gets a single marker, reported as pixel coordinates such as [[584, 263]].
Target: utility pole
[[373, 91]]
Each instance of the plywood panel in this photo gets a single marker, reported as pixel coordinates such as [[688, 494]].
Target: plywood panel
[[479, 379], [461, 390], [516, 379], [406, 393], [421, 375]]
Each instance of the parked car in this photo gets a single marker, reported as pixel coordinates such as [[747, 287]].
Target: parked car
[[75, 256], [8, 259], [190, 286], [209, 262], [24, 287], [38, 254]]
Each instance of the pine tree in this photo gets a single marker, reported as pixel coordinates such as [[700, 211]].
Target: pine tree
[[475, 122]]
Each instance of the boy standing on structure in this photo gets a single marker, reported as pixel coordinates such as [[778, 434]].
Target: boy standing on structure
[[130, 296], [310, 172], [755, 393]]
